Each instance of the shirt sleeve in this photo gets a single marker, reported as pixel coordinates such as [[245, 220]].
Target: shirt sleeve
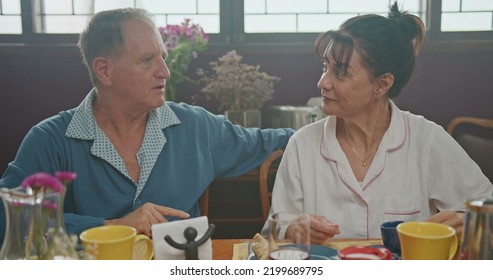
[[35, 154], [453, 177], [234, 149], [41, 151]]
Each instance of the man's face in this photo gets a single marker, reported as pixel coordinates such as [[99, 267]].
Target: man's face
[[139, 73]]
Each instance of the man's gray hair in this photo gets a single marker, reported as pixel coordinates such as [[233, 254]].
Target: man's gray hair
[[103, 35]]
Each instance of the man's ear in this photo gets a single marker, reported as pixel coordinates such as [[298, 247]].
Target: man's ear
[[101, 66], [384, 83]]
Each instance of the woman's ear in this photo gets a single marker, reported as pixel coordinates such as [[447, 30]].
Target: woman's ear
[[384, 83], [101, 67]]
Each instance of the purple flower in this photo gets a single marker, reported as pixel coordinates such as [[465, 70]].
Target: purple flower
[[183, 42], [42, 180], [169, 45], [66, 176]]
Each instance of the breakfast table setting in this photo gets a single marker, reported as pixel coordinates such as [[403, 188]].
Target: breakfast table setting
[[241, 249]]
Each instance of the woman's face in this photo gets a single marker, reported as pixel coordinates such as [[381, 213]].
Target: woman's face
[[347, 92]]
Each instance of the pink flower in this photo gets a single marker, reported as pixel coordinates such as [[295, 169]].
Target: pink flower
[[183, 42], [49, 204], [42, 180], [66, 176]]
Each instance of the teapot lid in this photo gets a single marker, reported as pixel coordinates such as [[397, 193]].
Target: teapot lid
[[481, 205]]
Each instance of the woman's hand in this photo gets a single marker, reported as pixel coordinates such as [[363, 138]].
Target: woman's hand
[[322, 229], [450, 218], [145, 216]]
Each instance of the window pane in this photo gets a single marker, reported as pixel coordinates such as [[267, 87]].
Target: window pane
[[467, 15], [10, 17], [57, 7], [477, 5], [83, 7], [358, 6], [451, 5], [314, 23], [270, 23], [169, 6], [10, 25], [254, 6], [10, 7], [103, 5], [294, 7], [208, 7], [65, 24], [467, 22]]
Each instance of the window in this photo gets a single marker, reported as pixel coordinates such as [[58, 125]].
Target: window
[[467, 15], [10, 17], [280, 16], [239, 21], [70, 16], [460, 20]]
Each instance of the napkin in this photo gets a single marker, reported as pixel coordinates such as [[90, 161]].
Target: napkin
[[164, 251], [241, 251]]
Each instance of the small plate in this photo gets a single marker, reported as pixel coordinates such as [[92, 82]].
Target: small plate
[[317, 252], [394, 255]]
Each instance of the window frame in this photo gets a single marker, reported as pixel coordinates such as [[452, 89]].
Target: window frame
[[232, 33], [434, 19]]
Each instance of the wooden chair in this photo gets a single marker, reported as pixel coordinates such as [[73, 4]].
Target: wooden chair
[[475, 135], [264, 172], [487, 123]]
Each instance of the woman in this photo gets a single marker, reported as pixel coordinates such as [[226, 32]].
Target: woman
[[369, 162]]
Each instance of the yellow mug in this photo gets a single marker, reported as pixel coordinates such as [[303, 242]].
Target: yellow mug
[[117, 242], [427, 241]]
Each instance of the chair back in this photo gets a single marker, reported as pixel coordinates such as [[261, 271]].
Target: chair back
[[265, 184], [475, 135], [266, 175]]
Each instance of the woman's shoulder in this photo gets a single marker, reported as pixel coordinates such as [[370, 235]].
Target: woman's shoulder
[[311, 130], [420, 122]]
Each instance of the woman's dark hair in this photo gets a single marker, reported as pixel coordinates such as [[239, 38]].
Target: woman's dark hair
[[386, 44]]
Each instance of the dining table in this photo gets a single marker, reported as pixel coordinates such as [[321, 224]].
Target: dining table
[[224, 249]]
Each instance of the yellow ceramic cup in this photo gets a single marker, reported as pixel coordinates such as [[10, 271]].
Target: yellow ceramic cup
[[427, 241], [117, 242]]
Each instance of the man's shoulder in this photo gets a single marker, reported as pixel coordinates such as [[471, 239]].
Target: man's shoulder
[[190, 113], [58, 122], [185, 109]]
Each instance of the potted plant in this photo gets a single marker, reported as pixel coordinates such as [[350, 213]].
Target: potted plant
[[240, 88], [183, 43]]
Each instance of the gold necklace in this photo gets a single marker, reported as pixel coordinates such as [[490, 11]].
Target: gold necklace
[[363, 161]]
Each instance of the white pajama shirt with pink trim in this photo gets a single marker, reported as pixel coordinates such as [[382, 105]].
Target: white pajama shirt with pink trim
[[417, 170]]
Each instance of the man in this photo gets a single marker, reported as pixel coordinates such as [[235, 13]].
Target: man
[[139, 161]]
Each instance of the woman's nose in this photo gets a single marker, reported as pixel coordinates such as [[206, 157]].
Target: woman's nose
[[325, 82]]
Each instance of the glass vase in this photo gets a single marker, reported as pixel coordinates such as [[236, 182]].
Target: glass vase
[[245, 118], [34, 228]]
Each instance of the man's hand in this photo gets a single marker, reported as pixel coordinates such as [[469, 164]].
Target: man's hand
[[145, 216], [322, 229], [450, 218]]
